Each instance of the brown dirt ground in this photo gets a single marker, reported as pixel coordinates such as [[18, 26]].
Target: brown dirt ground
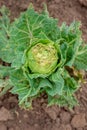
[[41, 117]]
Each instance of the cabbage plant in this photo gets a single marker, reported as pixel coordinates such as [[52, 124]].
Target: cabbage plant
[[41, 57]]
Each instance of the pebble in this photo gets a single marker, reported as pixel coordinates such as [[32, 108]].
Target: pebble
[[79, 121], [5, 114], [65, 117], [52, 112]]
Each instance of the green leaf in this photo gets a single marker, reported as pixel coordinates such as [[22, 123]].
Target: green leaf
[[44, 83], [6, 52], [5, 85], [81, 59], [5, 71], [71, 85], [63, 101], [22, 87], [71, 36], [19, 81], [71, 32], [18, 60], [63, 53], [6, 49], [72, 52], [30, 25], [57, 83], [2, 83]]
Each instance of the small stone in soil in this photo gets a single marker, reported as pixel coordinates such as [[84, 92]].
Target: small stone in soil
[[65, 117], [79, 121], [5, 114], [52, 112], [25, 115]]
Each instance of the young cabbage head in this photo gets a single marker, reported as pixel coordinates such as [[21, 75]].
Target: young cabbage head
[[42, 58]]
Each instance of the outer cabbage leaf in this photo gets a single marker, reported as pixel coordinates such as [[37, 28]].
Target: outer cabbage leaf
[[81, 58], [5, 71], [57, 82], [21, 87], [62, 101], [72, 36], [66, 97], [6, 49]]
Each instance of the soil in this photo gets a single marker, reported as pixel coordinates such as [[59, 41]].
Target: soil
[[42, 117]]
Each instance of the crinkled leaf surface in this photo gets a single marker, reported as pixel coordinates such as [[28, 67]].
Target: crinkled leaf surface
[[21, 87], [81, 59], [6, 48], [57, 83]]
